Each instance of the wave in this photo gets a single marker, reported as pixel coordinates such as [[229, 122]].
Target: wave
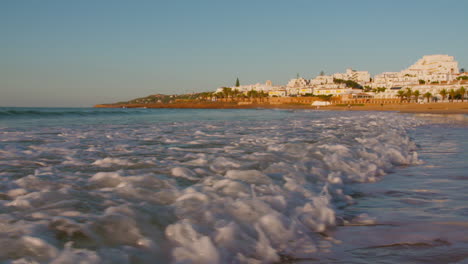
[[63, 112]]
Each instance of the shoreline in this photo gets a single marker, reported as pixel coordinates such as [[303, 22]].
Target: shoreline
[[430, 108]]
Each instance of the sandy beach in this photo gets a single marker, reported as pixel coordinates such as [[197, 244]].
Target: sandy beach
[[435, 108]]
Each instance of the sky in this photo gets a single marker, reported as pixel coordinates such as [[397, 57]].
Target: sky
[[67, 53]]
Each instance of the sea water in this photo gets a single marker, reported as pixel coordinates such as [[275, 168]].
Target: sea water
[[231, 186]]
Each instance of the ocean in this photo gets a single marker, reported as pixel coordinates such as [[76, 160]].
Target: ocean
[[84, 185]]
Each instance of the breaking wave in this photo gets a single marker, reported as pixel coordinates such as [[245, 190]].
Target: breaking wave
[[255, 191], [64, 112]]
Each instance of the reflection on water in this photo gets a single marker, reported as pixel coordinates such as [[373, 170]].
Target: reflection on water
[[460, 119]]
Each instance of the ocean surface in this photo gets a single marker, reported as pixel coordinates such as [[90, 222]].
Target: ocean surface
[[232, 186]]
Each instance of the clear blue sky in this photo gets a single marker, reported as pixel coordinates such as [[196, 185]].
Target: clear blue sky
[[80, 53]]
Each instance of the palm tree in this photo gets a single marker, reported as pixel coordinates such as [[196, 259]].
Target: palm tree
[[416, 95], [428, 96], [462, 92], [227, 92], [452, 94], [401, 94], [252, 94], [443, 93], [408, 94], [236, 93]]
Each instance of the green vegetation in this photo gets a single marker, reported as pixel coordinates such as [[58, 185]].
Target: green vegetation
[[416, 95], [422, 81], [462, 93], [408, 94], [237, 82], [162, 98], [256, 94], [401, 95], [452, 93], [348, 83], [379, 90], [462, 78], [428, 96], [443, 93]]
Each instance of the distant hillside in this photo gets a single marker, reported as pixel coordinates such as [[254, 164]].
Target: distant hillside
[[164, 98]]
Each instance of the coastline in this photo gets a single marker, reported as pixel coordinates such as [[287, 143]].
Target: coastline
[[432, 108]]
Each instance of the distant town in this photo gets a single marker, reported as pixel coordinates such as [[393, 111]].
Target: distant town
[[432, 79], [433, 76]]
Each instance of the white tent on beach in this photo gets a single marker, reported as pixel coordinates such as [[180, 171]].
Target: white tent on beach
[[320, 103]]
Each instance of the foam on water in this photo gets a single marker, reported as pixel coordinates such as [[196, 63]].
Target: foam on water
[[253, 191]]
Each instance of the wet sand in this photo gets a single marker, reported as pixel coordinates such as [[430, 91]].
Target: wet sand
[[435, 108]]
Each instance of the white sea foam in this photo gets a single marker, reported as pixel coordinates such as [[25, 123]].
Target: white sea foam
[[108, 162], [191, 192]]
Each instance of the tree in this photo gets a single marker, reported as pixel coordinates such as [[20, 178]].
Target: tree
[[262, 95], [443, 93], [416, 95], [452, 94], [252, 94], [428, 96], [237, 82], [236, 94], [462, 92], [401, 95], [322, 73], [422, 81], [462, 70], [348, 83], [408, 93], [226, 92]]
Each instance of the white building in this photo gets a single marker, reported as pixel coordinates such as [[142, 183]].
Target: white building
[[434, 64], [298, 83], [428, 74], [277, 93], [337, 92], [306, 90], [321, 79], [392, 79], [429, 69], [392, 93], [259, 87], [361, 77]]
